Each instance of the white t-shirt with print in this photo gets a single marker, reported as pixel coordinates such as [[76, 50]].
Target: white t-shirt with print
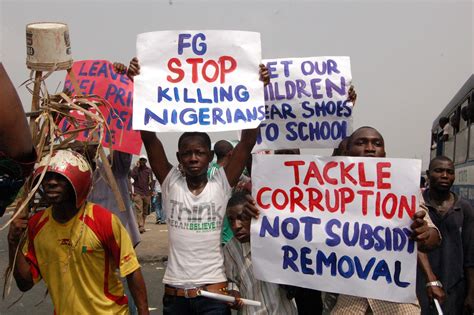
[[194, 229]]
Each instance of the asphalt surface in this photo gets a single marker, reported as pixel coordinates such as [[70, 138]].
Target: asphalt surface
[[152, 253]]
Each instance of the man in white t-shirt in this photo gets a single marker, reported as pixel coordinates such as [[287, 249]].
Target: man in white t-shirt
[[195, 207]]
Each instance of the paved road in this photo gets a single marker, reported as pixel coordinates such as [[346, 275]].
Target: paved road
[[151, 252]]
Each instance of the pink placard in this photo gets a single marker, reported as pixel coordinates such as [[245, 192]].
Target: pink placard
[[97, 77]]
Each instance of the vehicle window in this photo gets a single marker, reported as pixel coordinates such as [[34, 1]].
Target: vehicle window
[[471, 144], [461, 146], [464, 122], [448, 148], [454, 120]]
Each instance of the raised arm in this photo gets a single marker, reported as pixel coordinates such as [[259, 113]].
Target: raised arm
[[156, 154], [240, 155], [15, 137], [242, 151], [153, 146]]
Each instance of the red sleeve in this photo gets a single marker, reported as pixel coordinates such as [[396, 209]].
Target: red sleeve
[[34, 226]]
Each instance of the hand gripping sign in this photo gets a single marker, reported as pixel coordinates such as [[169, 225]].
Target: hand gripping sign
[[198, 81], [337, 224]]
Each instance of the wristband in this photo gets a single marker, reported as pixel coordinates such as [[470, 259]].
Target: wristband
[[436, 283]]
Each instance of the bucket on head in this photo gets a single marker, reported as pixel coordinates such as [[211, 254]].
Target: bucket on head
[[48, 47]]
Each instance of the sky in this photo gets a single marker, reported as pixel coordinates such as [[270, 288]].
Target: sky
[[408, 58]]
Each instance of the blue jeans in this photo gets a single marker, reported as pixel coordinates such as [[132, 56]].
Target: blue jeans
[[160, 214], [157, 206], [178, 305]]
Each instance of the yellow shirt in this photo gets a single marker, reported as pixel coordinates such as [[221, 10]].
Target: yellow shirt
[[78, 260]]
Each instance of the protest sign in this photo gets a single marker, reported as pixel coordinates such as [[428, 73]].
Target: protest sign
[[336, 224], [306, 103], [97, 77], [198, 81]]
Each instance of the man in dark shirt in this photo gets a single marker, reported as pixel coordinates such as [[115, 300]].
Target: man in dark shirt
[[143, 188], [453, 261]]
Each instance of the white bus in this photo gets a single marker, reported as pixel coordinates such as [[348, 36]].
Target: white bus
[[457, 140]]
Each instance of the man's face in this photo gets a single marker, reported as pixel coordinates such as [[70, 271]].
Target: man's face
[[57, 189], [441, 175], [194, 156], [239, 222], [142, 162], [366, 142]]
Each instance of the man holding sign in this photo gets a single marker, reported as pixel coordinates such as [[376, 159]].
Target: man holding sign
[[195, 207], [199, 88], [342, 225], [368, 142]]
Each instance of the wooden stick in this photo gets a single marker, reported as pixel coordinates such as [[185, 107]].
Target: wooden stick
[[33, 114], [111, 179], [75, 84], [35, 106], [77, 130]]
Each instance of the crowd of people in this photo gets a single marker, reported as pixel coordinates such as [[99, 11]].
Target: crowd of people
[[82, 245]]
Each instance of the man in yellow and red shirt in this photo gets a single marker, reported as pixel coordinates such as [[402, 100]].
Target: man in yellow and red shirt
[[76, 246]]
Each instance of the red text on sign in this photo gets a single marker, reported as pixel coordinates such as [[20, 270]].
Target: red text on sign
[[209, 70]]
